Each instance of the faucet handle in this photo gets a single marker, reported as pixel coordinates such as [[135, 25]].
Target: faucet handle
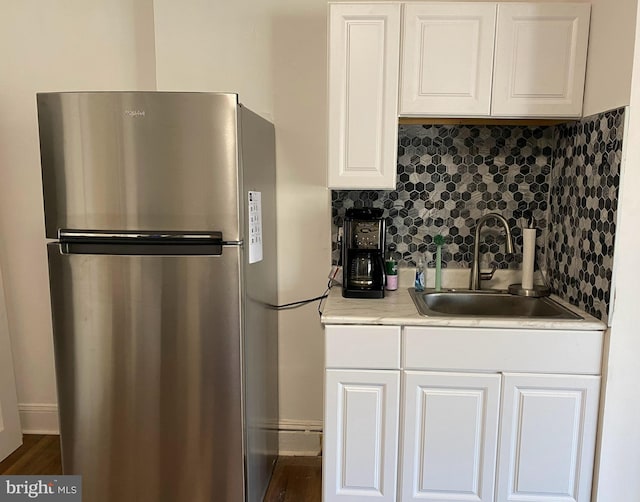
[[487, 276]]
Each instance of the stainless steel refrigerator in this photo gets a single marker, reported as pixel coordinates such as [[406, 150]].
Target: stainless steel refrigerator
[[162, 273]]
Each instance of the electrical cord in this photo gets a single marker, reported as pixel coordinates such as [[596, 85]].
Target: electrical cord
[[325, 294], [300, 303]]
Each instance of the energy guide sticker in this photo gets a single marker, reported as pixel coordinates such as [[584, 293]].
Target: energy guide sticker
[[255, 227]]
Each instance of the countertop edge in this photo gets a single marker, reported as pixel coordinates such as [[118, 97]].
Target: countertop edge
[[397, 309]]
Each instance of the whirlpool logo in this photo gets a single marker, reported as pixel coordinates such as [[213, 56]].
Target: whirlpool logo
[[46, 488], [135, 113]]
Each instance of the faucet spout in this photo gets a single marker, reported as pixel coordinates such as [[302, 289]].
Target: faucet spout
[[474, 279]]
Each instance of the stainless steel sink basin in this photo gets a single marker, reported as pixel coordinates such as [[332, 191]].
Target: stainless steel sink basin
[[487, 304]]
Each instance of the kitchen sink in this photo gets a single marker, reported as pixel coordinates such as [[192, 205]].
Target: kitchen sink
[[487, 304]]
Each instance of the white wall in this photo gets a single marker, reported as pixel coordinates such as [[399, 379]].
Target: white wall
[[619, 460], [50, 46], [274, 55], [216, 46]]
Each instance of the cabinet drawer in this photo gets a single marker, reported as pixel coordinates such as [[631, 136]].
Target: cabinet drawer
[[485, 349], [362, 347]]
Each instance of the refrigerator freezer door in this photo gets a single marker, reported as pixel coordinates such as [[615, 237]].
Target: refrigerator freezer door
[[148, 358], [140, 161]]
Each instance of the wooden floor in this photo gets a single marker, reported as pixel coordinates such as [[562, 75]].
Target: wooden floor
[[38, 456], [295, 479]]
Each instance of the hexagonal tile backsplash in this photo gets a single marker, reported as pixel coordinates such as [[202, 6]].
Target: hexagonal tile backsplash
[[583, 206], [449, 176]]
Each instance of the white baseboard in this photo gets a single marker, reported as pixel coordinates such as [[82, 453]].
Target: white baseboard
[[39, 418], [295, 437], [301, 438]]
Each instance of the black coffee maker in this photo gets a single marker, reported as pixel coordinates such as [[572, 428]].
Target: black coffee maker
[[362, 254]]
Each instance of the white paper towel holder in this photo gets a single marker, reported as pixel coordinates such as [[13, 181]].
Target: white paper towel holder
[[539, 290]]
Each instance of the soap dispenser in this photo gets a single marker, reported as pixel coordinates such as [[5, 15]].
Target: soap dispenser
[[420, 276]]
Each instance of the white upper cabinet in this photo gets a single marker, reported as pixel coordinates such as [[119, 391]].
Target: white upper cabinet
[[364, 48], [463, 60], [459, 59], [540, 59], [447, 58]]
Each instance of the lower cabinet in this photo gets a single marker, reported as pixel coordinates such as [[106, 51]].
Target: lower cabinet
[[404, 433], [450, 436], [360, 435], [538, 441], [547, 437]]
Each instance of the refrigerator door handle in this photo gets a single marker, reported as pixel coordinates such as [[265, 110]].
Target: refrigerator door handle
[[133, 236], [137, 242]]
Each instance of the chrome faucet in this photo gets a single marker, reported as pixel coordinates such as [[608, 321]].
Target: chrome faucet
[[476, 276]]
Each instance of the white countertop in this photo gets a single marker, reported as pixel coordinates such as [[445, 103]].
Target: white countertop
[[397, 308]]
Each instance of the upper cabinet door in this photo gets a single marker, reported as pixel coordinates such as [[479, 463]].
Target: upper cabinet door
[[364, 48], [447, 59], [540, 59]]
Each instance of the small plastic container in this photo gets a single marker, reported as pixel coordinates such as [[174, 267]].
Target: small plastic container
[[391, 269]]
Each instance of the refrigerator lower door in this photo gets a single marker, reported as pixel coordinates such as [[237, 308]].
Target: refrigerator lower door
[[149, 363]]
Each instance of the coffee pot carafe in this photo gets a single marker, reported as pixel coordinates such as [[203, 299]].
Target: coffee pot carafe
[[362, 253]]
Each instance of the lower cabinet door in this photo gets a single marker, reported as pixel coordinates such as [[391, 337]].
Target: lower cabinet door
[[360, 435], [547, 438], [450, 436]]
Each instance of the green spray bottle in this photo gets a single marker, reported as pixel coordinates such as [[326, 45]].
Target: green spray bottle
[[439, 242]]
